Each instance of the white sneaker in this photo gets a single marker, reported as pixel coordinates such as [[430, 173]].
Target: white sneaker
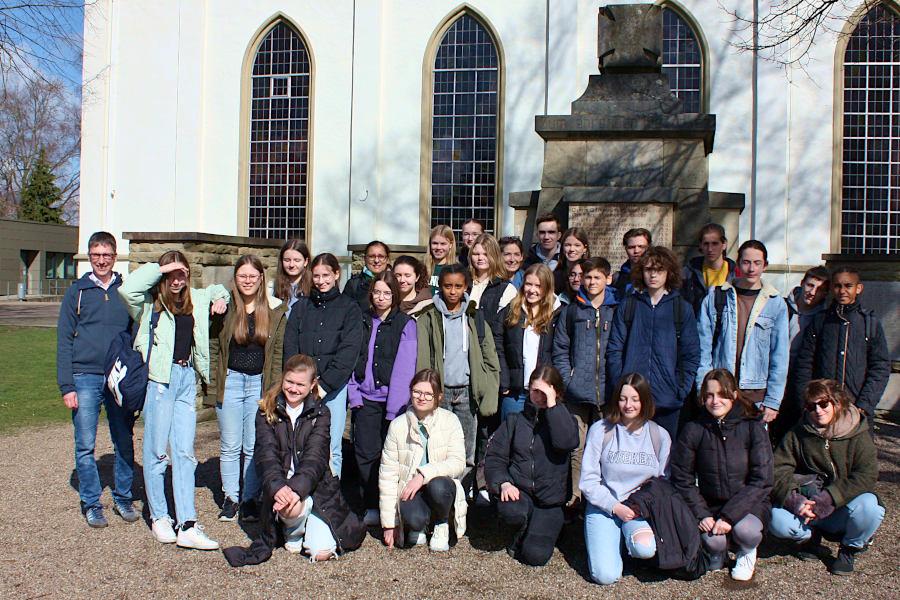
[[744, 565], [372, 518], [415, 538], [196, 538], [440, 538], [162, 530]]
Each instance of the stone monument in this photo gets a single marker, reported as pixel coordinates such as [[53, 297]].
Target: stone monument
[[628, 155]]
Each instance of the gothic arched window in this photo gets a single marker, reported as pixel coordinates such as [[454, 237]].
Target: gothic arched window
[[682, 60]]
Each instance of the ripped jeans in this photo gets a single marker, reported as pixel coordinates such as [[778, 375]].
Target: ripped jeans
[[603, 536], [170, 420]]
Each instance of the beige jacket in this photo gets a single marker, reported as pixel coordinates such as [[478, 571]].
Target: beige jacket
[[402, 455]]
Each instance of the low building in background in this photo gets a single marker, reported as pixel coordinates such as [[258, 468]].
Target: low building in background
[[38, 256]]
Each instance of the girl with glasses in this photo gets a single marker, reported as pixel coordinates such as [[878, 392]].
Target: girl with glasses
[[421, 466], [825, 473], [247, 343], [379, 388], [377, 258]]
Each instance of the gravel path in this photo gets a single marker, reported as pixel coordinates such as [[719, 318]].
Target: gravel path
[[51, 553]]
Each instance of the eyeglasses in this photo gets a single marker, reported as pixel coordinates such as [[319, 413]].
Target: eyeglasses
[[422, 395], [823, 404], [381, 294], [376, 257], [249, 278], [101, 256]]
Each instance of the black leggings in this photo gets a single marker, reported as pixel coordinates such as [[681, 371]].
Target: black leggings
[[435, 499], [539, 528], [369, 430]]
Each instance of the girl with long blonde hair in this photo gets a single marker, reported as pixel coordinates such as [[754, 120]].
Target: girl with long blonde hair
[[158, 295], [491, 292], [249, 356], [441, 252], [525, 340]]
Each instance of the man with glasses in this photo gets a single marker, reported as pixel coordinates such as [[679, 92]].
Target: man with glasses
[[92, 315], [377, 259]]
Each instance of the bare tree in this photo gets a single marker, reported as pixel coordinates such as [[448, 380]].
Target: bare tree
[[40, 39], [38, 115], [785, 31]]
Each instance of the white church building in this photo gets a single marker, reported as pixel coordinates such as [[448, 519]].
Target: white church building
[[349, 120]]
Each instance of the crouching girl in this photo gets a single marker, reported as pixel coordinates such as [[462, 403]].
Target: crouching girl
[[422, 464], [301, 499], [825, 473], [527, 468], [722, 467], [622, 452]]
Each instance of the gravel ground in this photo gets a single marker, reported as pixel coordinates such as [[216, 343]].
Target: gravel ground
[[51, 553]]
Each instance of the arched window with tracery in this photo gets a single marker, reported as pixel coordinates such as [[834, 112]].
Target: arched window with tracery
[[279, 135], [870, 185], [682, 60], [465, 111]]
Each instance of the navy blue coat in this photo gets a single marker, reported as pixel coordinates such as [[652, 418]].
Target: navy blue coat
[[650, 348]]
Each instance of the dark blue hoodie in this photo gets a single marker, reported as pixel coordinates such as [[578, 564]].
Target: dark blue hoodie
[[89, 319], [650, 348], [579, 347]]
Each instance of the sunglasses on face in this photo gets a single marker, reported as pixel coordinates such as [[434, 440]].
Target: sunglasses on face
[[823, 404]]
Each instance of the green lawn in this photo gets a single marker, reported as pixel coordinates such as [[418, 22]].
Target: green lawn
[[28, 391]]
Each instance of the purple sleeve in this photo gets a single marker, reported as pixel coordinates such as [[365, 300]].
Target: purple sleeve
[[403, 371], [354, 398]]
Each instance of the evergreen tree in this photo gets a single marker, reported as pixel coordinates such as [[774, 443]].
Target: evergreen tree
[[40, 195]]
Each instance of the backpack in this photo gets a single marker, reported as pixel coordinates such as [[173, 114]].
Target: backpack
[[126, 372]]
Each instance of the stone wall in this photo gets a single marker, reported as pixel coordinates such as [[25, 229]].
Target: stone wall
[[211, 257]]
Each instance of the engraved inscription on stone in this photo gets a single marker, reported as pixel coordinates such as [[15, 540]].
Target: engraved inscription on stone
[[607, 223]]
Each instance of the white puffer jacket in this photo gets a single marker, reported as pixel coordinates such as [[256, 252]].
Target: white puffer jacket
[[402, 455]]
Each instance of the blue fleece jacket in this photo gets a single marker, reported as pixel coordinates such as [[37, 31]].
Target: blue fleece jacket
[[650, 348], [89, 319]]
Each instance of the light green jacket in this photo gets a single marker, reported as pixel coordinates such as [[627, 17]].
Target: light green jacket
[[136, 293]]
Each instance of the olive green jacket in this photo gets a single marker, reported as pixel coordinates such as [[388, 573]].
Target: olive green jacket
[[847, 464], [136, 292], [484, 366], [221, 332]]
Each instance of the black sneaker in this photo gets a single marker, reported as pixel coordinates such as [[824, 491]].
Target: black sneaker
[[811, 549], [249, 511], [229, 510], [843, 564]]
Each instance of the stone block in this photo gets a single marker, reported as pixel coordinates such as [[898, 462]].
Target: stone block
[[691, 214], [628, 37], [564, 164], [606, 223], [684, 164], [217, 274], [625, 163]]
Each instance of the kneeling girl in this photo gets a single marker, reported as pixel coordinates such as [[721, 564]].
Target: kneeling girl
[[623, 451]]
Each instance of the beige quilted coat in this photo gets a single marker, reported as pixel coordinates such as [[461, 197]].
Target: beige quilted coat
[[402, 456]]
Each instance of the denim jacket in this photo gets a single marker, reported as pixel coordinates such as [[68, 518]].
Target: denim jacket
[[764, 360]]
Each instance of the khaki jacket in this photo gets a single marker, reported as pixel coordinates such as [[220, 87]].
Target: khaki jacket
[[402, 456]]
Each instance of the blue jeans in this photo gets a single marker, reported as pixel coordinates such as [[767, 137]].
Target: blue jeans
[[312, 528], [337, 404], [237, 429], [603, 535], [91, 394], [857, 521], [170, 420], [513, 404]]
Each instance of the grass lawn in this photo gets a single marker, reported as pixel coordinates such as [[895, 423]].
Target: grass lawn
[[28, 391]]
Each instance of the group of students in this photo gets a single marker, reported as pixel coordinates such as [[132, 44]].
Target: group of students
[[544, 384]]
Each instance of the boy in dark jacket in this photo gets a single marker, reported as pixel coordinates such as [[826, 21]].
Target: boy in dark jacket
[[579, 353], [527, 467], [710, 269], [92, 315], [636, 241], [546, 251], [654, 333], [846, 343]]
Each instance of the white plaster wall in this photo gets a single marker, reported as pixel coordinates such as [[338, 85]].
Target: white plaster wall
[[161, 118]]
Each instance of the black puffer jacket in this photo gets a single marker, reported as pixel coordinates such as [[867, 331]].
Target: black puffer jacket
[[327, 327], [489, 304], [307, 445], [357, 287], [531, 451], [837, 346], [509, 341], [732, 462]]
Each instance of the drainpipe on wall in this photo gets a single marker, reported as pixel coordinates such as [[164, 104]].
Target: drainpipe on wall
[[352, 83], [754, 115]]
